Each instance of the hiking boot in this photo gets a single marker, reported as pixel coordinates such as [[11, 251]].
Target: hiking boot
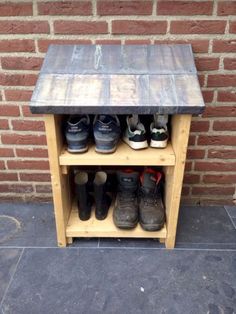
[[151, 209], [102, 199], [83, 197], [125, 214], [106, 130], [135, 134], [159, 131], [77, 133]]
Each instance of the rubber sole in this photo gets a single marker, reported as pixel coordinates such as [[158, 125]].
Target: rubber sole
[[152, 227], [77, 150], [105, 151], [158, 144], [124, 225], [135, 145]]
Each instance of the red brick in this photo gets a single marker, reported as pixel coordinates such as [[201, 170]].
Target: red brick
[[124, 7], [43, 189], [16, 9], [16, 188], [226, 96], [214, 166], [230, 63], [17, 45], [139, 27], [224, 111], [221, 80], [18, 79], [217, 140], [226, 8], [191, 178], [32, 152], [4, 124], [224, 125], [24, 27], [185, 190], [7, 176], [138, 42], [207, 95], [2, 165], [224, 45], [27, 113], [18, 95], [11, 199], [184, 8], [207, 64], [219, 179], [65, 8], [198, 27], [222, 153], [201, 79], [188, 165], [203, 190], [28, 164], [44, 198], [80, 27], [43, 44], [37, 177], [27, 125], [197, 45], [108, 41], [21, 63], [199, 126], [9, 110], [6, 152], [232, 27], [195, 153], [191, 140], [19, 139]]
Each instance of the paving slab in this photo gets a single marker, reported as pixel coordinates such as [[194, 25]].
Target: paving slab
[[231, 210], [123, 281], [8, 262], [205, 227]]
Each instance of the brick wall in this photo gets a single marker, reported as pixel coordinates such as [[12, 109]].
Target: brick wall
[[26, 30]]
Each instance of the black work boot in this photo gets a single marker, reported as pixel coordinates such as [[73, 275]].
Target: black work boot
[[102, 199], [125, 214], [151, 209], [83, 197]]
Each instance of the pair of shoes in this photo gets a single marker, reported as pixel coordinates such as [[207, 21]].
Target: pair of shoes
[[106, 131], [84, 198], [139, 199], [136, 137]]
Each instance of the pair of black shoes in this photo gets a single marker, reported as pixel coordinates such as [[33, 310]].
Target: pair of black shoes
[[85, 199]]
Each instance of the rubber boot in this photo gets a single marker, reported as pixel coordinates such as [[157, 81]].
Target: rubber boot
[[83, 197], [102, 199]]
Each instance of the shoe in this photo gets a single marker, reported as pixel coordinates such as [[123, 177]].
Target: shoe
[[106, 130], [102, 198], [135, 133], [83, 197], [77, 133], [151, 209], [159, 131], [125, 214]]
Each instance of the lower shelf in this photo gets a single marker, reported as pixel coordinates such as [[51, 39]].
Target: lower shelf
[[105, 228]]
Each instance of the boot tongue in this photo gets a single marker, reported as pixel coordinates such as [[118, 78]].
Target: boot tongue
[[128, 180], [148, 182]]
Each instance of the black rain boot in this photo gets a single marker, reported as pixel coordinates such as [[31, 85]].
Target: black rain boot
[[102, 199], [83, 197]]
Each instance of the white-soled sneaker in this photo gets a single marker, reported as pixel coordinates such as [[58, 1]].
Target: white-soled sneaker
[[159, 131], [135, 133]]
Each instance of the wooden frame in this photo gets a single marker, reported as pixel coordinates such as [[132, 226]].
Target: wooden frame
[[172, 159]]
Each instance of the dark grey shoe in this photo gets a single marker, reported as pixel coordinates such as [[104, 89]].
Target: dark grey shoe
[[151, 209], [83, 197], [102, 198], [125, 214]]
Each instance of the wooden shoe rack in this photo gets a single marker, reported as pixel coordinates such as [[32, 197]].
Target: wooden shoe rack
[[116, 79]]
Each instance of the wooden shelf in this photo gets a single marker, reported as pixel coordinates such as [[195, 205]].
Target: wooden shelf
[[123, 156], [105, 228]]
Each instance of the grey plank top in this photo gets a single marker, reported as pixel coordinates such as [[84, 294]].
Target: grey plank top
[[121, 79]]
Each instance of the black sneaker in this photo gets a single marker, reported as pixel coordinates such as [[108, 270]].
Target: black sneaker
[[135, 133], [159, 131], [151, 209], [125, 214], [77, 133], [106, 130]]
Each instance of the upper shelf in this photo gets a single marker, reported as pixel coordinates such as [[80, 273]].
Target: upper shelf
[[118, 79]]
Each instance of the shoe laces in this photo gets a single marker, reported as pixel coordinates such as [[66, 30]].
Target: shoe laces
[[126, 197], [152, 197]]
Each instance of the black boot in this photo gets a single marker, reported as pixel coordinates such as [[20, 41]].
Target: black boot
[[83, 197], [102, 199]]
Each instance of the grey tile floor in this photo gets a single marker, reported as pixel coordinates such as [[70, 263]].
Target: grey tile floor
[[117, 275]]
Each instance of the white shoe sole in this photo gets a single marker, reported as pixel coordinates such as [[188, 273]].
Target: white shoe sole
[[135, 145], [158, 144], [74, 151]]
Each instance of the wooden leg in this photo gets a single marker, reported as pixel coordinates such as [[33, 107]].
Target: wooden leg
[[161, 240], [60, 182], [174, 174], [69, 240]]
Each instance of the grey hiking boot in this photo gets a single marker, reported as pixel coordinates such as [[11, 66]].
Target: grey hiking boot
[[125, 214], [151, 208]]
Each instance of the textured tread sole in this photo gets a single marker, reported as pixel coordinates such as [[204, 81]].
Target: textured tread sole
[[135, 145], [158, 144]]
